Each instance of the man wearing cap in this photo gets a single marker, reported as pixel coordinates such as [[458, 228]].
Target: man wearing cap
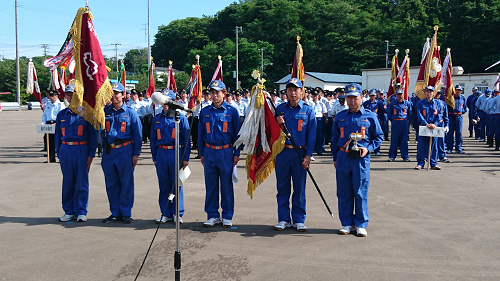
[[414, 116], [454, 136], [330, 102], [399, 112], [496, 116], [320, 113], [432, 114], [49, 116], [383, 117], [217, 132], [241, 106], [353, 173], [283, 96], [440, 142], [491, 110], [162, 146], [376, 106], [246, 96], [300, 120], [194, 131], [338, 107], [471, 112], [122, 137], [140, 107], [483, 123], [75, 143]]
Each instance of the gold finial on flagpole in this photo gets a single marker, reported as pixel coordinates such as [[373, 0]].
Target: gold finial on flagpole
[[407, 51], [448, 50], [170, 63], [436, 28], [193, 66], [219, 57], [396, 51], [298, 39], [197, 59], [151, 58]]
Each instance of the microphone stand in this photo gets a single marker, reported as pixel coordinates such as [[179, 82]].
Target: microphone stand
[[177, 255]]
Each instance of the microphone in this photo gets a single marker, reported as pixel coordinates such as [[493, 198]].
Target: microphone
[[159, 99]]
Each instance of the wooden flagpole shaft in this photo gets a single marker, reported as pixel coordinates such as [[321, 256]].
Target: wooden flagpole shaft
[[429, 157], [48, 148]]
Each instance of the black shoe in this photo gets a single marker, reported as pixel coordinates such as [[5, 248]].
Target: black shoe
[[43, 150], [497, 148], [194, 148], [198, 157], [111, 219], [51, 161], [128, 220]]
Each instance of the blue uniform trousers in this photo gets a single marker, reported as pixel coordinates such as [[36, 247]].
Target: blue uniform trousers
[[319, 147], [423, 150], [497, 127], [328, 129], [353, 178], [399, 138], [454, 135], [483, 123], [384, 123], [288, 168], [441, 147], [490, 128], [218, 167], [165, 170], [119, 179], [416, 125], [75, 187]]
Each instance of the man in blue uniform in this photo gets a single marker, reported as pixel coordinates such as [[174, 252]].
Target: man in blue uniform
[[377, 107], [122, 137], [320, 113], [483, 117], [75, 143], [384, 124], [495, 113], [491, 110], [353, 173], [52, 108], [399, 112], [432, 114], [469, 106], [300, 120], [217, 132], [454, 136], [414, 116], [162, 146]]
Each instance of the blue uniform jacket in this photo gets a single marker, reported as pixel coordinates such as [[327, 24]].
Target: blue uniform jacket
[[301, 123], [432, 112], [364, 122], [376, 107], [399, 110], [218, 127], [460, 105], [123, 124], [71, 127], [163, 133]]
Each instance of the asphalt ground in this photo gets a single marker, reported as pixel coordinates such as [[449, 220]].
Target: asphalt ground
[[424, 225]]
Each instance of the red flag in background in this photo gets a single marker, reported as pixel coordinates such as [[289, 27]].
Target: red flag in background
[[405, 77], [218, 71], [194, 86], [171, 85], [430, 70], [394, 76], [298, 66], [446, 82], [151, 87], [32, 87], [92, 87]]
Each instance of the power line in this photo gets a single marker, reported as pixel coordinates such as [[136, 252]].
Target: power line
[[45, 47]]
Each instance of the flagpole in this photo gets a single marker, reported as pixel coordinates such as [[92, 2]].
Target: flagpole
[[18, 77], [149, 40]]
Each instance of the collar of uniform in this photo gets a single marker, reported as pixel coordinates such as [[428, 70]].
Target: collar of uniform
[[361, 109], [299, 104], [223, 105], [124, 106]]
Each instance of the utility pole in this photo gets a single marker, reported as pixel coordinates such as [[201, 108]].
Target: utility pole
[[238, 29], [45, 47], [18, 78], [116, 57]]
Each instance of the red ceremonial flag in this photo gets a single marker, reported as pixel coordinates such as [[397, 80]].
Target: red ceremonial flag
[[171, 85], [92, 87], [151, 87], [194, 85], [298, 66], [430, 70], [446, 81], [218, 71], [394, 76], [32, 87], [405, 78]]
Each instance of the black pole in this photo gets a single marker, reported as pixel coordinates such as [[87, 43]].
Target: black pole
[[289, 136], [177, 255]]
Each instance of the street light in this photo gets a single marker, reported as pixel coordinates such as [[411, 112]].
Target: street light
[[262, 60], [387, 53], [238, 29]]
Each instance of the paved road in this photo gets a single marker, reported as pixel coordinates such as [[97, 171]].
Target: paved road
[[436, 225]]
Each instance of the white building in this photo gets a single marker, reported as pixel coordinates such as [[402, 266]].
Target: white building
[[326, 81], [164, 71], [379, 78]]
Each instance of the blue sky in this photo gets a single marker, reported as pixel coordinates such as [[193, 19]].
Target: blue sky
[[115, 21]]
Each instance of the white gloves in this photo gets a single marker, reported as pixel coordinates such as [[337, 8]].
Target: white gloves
[[446, 129]]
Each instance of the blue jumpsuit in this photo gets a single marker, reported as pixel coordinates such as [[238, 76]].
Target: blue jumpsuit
[[162, 144], [440, 142], [454, 135], [301, 122], [353, 174], [75, 141], [433, 112], [384, 123], [468, 103], [378, 108], [217, 132], [399, 113], [122, 125], [474, 114], [414, 115], [482, 115]]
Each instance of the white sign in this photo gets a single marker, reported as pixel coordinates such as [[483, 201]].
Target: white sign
[[46, 129], [437, 132]]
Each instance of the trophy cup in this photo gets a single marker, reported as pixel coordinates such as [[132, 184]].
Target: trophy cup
[[354, 150]]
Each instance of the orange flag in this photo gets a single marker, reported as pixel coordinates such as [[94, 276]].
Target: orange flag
[[298, 66], [430, 70]]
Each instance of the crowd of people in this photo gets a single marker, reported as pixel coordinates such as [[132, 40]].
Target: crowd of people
[[314, 118]]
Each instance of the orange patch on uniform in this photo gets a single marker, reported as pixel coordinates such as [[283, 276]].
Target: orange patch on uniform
[[108, 126], [207, 125], [224, 127], [124, 127], [341, 132], [63, 130], [363, 131], [80, 130], [424, 113], [158, 134], [299, 127], [173, 134]]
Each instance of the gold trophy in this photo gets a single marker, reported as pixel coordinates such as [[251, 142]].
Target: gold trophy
[[354, 150]]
